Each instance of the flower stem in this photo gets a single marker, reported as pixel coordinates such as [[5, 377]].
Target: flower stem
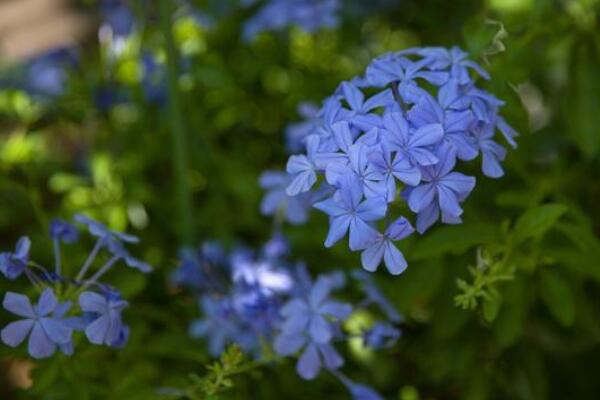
[[89, 260], [105, 268], [179, 144], [57, 267]]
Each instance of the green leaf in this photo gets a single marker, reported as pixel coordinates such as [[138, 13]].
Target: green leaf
[[455, 239], [558, 297], [536, 221], [508, 326], [491, 307], [581, 100]]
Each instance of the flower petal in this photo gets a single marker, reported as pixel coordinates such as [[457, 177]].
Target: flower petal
[[14, 333], [18, 304], [319, 329], [57, 331], [93, 302], [40, 345], [309, 364]]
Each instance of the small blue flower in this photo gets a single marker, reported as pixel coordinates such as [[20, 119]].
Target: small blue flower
[[260, 274], [441, 190], [381, 336], [12, 265], [413, 145], [47, 74], [307, 324], [382, 248], [296, 133], [107, 325], [276, 200], [100, 230], [360, 114], [348, 212], [117, 17], [220, 326], [391, 168], [45, 332], [278, 246], [302, 169], [63, 231], [308, 15]]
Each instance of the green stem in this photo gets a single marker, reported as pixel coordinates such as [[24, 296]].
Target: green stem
[[180, 156]]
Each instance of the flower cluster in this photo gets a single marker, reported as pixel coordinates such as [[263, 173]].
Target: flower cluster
[[395, 135], [258, 299], [308, 15], [68, 305]]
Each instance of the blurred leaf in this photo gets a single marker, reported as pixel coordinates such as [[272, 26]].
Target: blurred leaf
[[509, 323], [491, 307], [454, 239], [557, 296], [536, 221], [582, 101]]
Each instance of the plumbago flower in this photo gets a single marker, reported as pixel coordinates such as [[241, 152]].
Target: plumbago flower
[[308, 15], [396, 135], [68, 305], [258, 299]]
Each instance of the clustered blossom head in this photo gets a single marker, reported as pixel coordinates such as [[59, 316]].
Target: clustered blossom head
[[68, 305], [308, 15], [254, 299], [395, 135]]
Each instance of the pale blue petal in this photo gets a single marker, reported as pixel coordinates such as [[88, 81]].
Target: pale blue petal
[[14, 333], [18, 304], [309, 364], [319, 329], [394, 260], [337, 229], [93, 302], [40, 345]]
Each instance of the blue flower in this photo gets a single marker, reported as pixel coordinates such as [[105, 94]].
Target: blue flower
[[112, 240], [308, 324], [47, 74], [117, 17], [278, 246], [220, 326], [260, 274], [381, 336], [45, 332], [441, 190], [348, 212], [308, 15], [391, 167], [106, 326], [412, 145], [455, 124], [100, 230], [276, 200], [382, 248], [296, 133], [12, 265], [359, 114], [404, 125], [302, 169], [63, 231], [491, 152], [357, 391]]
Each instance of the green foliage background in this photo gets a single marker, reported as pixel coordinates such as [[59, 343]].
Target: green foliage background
[[505, 306]]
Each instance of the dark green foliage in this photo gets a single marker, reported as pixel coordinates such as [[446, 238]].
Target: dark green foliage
[[504, 306]]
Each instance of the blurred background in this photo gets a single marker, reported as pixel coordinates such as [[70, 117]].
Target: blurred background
[[85, 127]]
